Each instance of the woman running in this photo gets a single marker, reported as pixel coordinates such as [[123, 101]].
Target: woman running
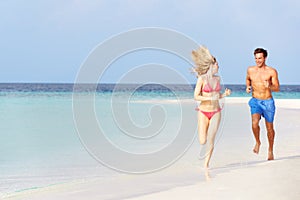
[[207, 92]]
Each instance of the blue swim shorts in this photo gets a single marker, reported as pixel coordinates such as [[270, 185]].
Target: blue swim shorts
[[265, 108]]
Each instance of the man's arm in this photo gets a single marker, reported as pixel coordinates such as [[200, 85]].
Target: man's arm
[[274, 87], [248, 82]]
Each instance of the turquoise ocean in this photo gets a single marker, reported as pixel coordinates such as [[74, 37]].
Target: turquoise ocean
[[39, 144]]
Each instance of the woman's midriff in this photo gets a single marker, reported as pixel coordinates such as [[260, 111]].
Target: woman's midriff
[[209, 106]]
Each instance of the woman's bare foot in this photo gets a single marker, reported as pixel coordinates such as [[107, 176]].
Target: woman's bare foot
[[270, 155], [256, 148], [207, 175]]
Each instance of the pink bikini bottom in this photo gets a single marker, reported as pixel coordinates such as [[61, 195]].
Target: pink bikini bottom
[[209, 115]]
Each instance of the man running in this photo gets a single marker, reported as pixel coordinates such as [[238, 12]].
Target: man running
[[262, 80]]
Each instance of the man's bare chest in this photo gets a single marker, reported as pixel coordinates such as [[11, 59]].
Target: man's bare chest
[[260, 76]]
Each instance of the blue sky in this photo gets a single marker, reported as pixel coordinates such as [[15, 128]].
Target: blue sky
[[47, 41]]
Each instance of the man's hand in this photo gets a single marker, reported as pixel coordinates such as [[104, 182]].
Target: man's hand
[[248, 89]]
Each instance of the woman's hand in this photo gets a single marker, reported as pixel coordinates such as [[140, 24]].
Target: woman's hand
[[226, 93]]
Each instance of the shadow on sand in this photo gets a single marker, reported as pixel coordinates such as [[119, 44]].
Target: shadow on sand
[[212, 172]]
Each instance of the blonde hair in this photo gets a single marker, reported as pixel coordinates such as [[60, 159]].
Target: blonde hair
[[203, 60]]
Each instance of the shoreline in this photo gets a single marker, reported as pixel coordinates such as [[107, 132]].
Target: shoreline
[[282, 103]]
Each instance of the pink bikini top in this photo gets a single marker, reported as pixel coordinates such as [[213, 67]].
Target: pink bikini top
[[208, 88]]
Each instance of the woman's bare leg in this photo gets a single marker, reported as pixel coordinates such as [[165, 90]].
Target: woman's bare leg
[[203, 123], [212, 131]]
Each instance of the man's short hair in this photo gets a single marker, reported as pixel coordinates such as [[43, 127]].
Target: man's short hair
[[261, 50]]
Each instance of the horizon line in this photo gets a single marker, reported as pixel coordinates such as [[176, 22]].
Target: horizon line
[[111, 83]]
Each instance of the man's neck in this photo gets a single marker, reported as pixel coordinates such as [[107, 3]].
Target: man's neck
[[263, 66]]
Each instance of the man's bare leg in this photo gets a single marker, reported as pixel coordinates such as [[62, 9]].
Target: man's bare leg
[[256, 131], [271, 136]]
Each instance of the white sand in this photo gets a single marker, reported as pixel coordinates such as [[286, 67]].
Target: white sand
[[236, 172], [266, 180]]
